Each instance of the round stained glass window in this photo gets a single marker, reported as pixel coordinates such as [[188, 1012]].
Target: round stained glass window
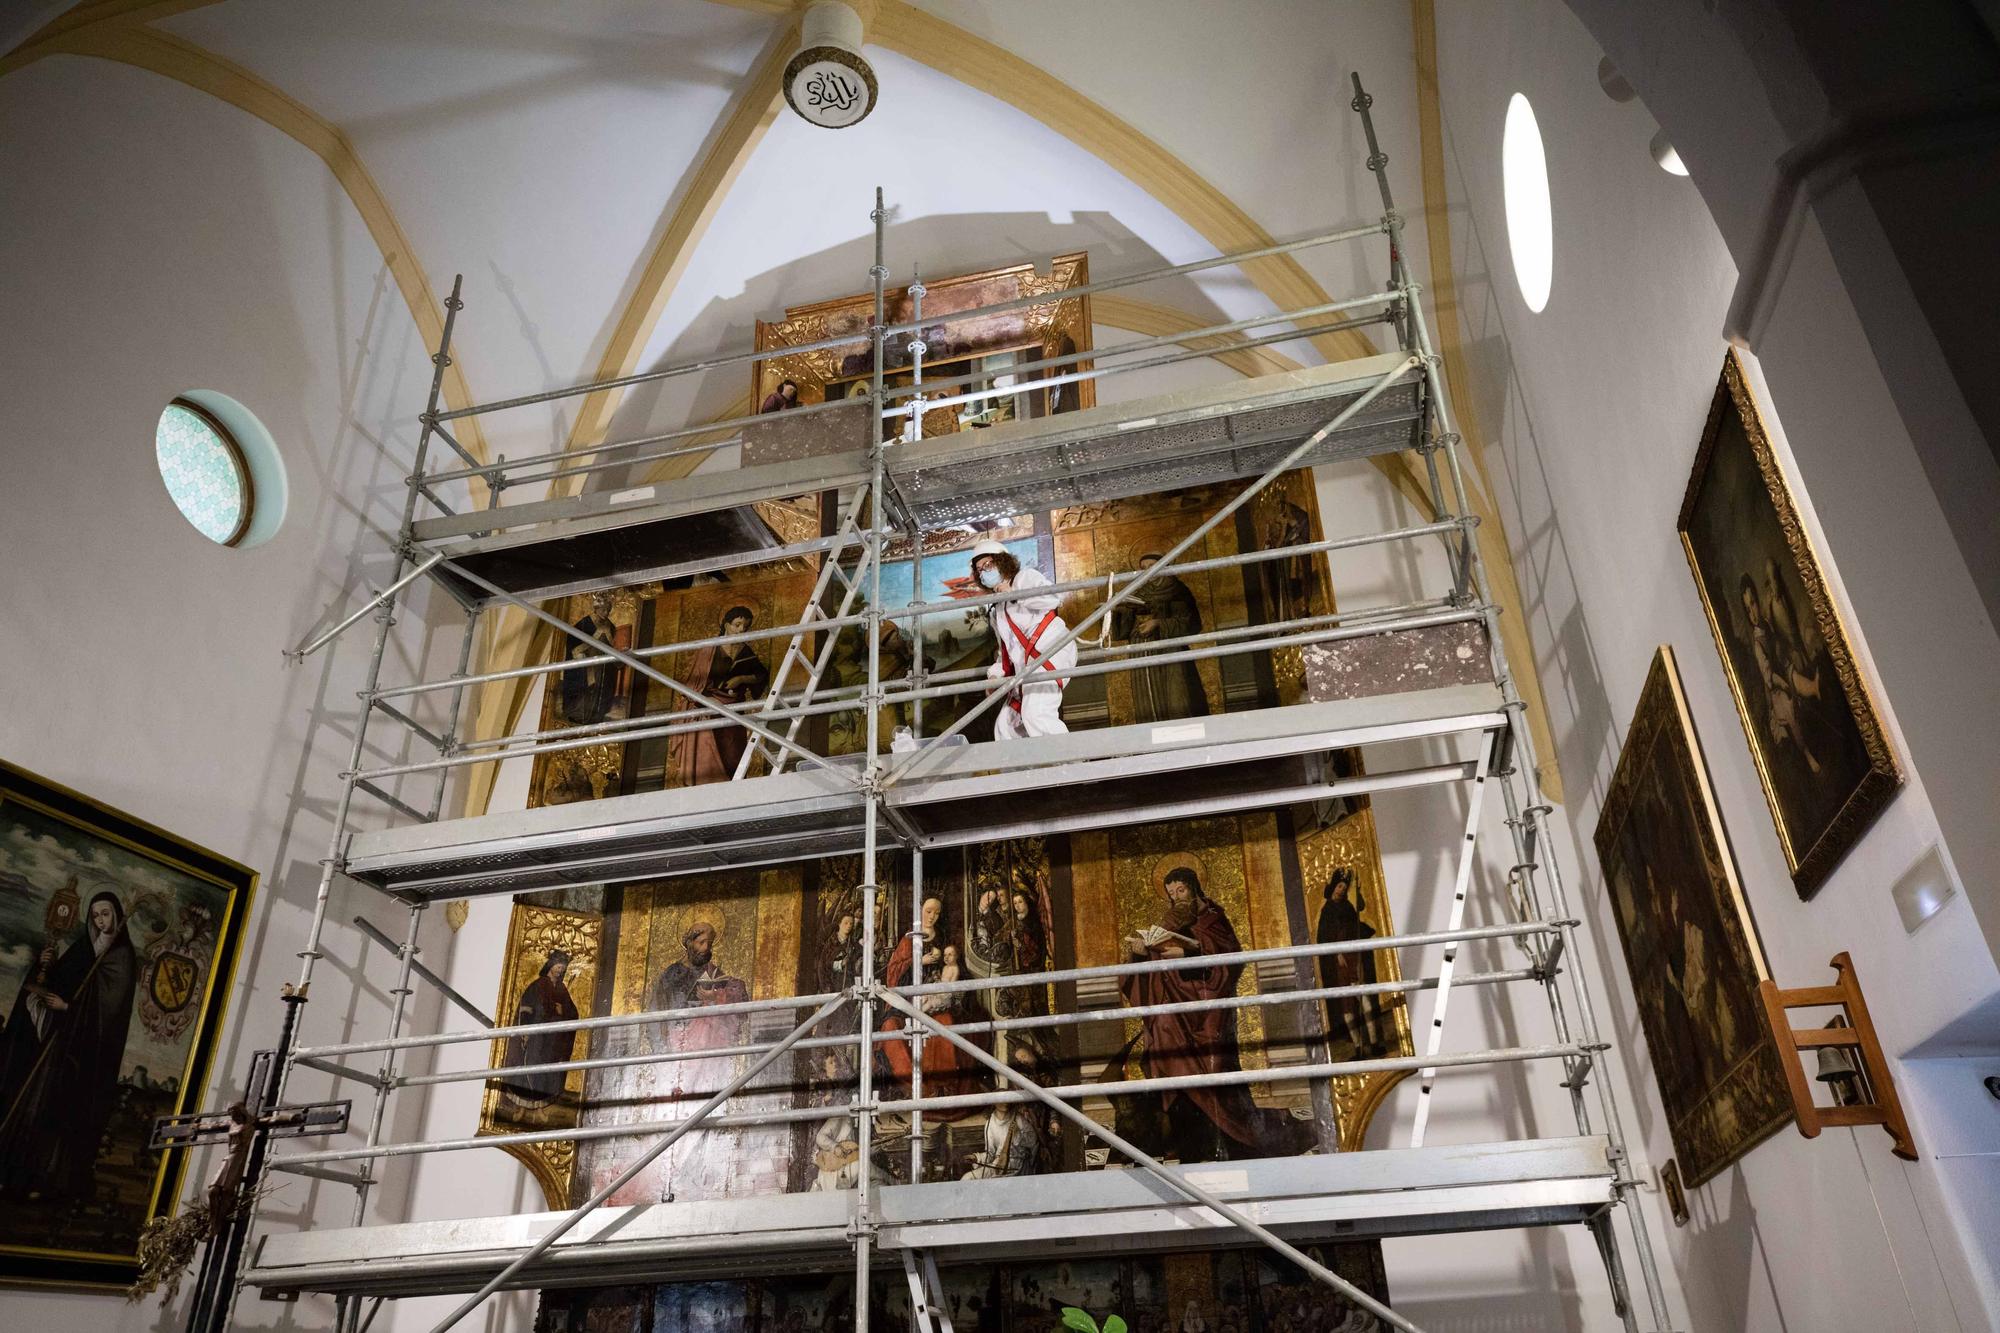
[[204, 470]]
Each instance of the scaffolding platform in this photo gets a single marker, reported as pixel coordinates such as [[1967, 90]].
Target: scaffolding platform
[[705, 522], [1338, 1196], [947, 795], [1195, 437]]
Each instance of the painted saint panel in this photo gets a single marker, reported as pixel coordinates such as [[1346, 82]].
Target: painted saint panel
[[117, 946]]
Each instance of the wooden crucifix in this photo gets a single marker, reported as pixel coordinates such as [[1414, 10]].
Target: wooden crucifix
[[247, 1127]]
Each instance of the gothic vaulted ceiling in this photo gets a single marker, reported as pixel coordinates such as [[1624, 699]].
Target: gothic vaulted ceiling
[[620, 186]]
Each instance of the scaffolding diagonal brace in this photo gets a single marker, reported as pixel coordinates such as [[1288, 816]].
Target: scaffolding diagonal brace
[[1154, 1166], [695, 696], [644, 1160]]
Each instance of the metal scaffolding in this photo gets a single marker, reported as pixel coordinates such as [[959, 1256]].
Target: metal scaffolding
[[893, 484]]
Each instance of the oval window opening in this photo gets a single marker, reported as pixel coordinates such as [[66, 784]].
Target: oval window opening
[[221, 468], [205, 472], [1530, 225]]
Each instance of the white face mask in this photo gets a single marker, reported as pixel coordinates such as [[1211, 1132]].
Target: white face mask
[[989, 577]]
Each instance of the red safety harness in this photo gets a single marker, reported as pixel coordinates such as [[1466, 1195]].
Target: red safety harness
[[1028, 642]]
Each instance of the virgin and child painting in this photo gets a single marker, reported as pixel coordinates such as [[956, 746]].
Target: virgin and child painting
[[986, 912], [1690, 945], [1821, 752], [117, 946], [1227, 1291]]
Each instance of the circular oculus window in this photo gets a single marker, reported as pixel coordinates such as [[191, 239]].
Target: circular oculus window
[[1524, 169], [205, 472]]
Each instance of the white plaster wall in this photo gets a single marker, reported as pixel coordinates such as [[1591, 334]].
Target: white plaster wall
[[157, 241], [1594, 408]]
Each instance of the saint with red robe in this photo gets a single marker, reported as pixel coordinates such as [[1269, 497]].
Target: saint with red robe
[[1203, 1123], [948, 1071]]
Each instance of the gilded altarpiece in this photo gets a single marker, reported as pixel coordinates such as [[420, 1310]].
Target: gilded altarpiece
[[956, 344], [1258, 880]]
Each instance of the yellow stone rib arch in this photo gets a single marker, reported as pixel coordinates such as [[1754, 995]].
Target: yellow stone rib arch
[[184, 62]]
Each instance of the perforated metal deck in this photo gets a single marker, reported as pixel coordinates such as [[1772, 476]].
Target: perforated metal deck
[[1403, 1191], [1192, 438], [705, 522], [945, 795]]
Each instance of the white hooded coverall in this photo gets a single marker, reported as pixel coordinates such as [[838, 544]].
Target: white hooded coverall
[[1021, 628]]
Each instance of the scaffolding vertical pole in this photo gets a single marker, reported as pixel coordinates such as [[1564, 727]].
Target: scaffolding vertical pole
[[350, 1312], [1399, 280], [1525, 759], [455, 709], [919, 936], [336, 843], [864, 1221]]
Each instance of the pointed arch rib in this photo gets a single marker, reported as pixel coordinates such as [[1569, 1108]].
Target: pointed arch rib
[[198, 68]]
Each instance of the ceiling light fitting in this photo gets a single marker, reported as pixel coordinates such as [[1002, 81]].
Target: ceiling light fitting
[[829, 83]]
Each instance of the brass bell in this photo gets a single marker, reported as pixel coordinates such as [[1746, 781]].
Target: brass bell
[[1839, 1072]]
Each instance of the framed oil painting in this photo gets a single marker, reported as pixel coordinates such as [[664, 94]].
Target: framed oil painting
[[118, 944], [1814, 731], [1690, 944]]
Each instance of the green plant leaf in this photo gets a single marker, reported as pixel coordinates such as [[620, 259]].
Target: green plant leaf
[[1081, 1321], [1114, 1324]]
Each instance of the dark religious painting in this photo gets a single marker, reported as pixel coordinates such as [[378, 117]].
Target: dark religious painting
[[1690, 945], [1821, 752], [549, 976], [118, 943], [1225, 1291]]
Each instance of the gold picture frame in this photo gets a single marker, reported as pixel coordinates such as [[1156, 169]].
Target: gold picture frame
[[84, 1085], [1815, 734], [1690, 944]]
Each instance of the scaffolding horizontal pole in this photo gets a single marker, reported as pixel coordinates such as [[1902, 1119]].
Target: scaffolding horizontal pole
[[959, 1101], [1133, 1087], [581, 1134], [1203, 566], [1206, 806], [943, 685], [1075, 1018], [654, 726], [1334, 634], [918, 610], [999, 307], [723, 426], [1417, 940], [567, 1025], [729, 430], [1180, 337], [1151, 363], [1271, 251], [1245, 957], [604, 659]]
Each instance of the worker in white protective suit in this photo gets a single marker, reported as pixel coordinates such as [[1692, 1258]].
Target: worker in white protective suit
[[1022, 628]]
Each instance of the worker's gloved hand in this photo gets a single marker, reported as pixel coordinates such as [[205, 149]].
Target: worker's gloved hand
[[996, 672]]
